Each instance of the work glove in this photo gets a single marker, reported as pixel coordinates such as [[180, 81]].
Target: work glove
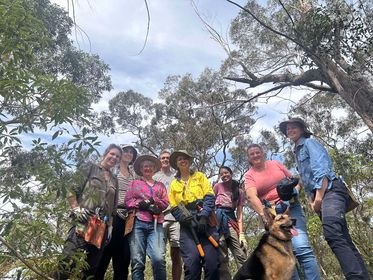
[[144, 204], [154, 209], [122, 213], [243, 242], [179, 215], [80, 214], [202, 224], [281, 207], [285, 188]]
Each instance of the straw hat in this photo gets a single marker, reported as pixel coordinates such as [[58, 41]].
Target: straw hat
[[141, 159], [174, 156]]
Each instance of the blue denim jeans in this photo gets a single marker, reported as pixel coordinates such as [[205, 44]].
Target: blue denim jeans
[[301, 246], [144, 240], [333, 210]]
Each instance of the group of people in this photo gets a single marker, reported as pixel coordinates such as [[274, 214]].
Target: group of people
[[147, 203]]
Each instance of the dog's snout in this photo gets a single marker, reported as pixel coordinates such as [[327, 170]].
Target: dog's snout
[[294, 222]]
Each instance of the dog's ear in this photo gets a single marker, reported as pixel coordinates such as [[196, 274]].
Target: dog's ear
[[269, 213]]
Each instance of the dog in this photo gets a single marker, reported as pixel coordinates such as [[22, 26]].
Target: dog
[[273, 258]]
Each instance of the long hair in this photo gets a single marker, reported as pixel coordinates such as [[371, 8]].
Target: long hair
[[235, 184]]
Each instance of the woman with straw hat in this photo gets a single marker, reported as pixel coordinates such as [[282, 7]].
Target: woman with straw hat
[[148, 198]]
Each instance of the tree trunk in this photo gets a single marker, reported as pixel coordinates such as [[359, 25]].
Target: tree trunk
[[355, 90]]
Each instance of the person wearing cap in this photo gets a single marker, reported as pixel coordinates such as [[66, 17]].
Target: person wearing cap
[[92, 199], [148, 198], [230, 199], [327, 194], [171, 226], [118, 249], [261, 184], [191, 191]]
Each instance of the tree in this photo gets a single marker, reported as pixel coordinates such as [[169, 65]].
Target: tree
[[47, 87], [324, 46], [201, 116]]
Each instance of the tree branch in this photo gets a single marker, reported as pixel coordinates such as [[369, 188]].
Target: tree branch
[[22, 259], [290, 79]]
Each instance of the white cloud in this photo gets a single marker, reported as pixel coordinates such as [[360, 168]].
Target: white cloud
[[177, 44]]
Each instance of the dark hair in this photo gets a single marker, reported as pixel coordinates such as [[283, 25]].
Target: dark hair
[[235, 184], [226, 167], [112, 146]]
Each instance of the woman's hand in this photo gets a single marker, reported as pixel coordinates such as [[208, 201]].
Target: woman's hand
[[316, 205]]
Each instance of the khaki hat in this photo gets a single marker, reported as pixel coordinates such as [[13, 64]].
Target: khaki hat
[[134, 152], [299, 121], [174, 156], [140, 159]]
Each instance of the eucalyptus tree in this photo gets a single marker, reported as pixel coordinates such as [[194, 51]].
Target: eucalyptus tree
[[316, 45], [201, 115], [47, 87]]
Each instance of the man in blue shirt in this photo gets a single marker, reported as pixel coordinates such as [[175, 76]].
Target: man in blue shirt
[[328, 196]]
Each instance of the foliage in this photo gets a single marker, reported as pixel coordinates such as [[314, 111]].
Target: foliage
[[47, 86], [318, 45], [202, 116]]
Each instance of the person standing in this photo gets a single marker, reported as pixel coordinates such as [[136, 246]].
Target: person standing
[[94, 198], [260, 184], [148, 198], [192, 200], [327, 194], [230, 198], [118, 249], [171, 226]]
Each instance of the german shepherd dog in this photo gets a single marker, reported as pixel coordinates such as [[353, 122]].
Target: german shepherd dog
[[273, 258]]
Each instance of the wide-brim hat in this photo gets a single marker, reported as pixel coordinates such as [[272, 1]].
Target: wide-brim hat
[[140, 159], [134, 151], [174, 156], [299, 121]]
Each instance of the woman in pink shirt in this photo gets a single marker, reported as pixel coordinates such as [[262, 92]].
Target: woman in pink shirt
[[260, 183], [148, 198], [229, 202]]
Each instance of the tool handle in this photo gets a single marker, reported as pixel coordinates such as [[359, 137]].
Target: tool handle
[[200, 250], [212, 241], [196, 240]]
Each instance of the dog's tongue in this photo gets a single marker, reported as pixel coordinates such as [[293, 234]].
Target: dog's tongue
[[293, 231]]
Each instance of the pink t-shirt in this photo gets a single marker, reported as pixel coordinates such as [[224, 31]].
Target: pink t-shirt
[[265, 181], [223, 196]]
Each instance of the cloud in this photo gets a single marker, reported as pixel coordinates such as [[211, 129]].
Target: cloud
[[177, 42]]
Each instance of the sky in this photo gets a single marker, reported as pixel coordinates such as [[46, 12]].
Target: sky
[[177, 44]]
